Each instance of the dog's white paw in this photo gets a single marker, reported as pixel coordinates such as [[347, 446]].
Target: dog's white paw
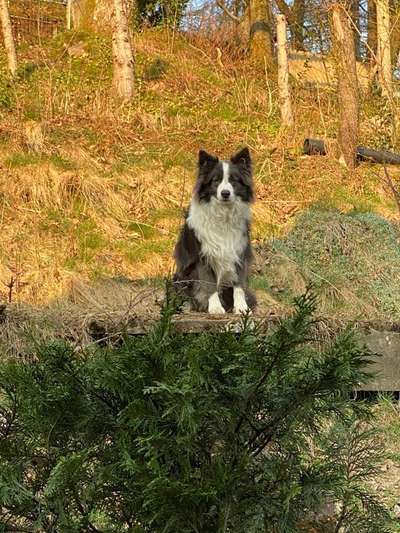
[[214, 305], [216, 310], [241, 309], [239, 301]]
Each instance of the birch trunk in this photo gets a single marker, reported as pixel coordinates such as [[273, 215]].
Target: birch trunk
[[384, 52], [69, 14], [123, 60], [345, 59], [8, 37], [283, 73]]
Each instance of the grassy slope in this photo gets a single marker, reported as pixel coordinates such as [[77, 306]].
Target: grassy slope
[[351, 259], [105, 197]]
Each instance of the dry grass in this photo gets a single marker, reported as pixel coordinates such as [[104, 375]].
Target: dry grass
[[87, 315], [105, 197]]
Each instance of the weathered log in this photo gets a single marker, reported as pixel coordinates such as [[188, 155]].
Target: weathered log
[[317, 147]]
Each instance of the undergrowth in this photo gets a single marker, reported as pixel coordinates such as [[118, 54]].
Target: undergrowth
[[173, 432], [352, 260]]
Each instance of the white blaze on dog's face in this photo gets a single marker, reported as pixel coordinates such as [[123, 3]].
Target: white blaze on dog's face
[[225, 191]]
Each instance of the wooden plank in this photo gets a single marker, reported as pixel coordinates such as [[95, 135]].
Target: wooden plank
[[387, 366]]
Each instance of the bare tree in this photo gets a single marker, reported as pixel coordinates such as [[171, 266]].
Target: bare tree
[[345, 58], [90, 15], [283, 72], [355, 15], [261, 32], [372, 38], [8, 37], [384, 51], [295, 18], [123, 60], [395, 33]]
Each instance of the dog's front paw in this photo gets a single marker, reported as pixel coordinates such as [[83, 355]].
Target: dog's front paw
[[216, 309], [241, 309], [214, 305], [239, 301]]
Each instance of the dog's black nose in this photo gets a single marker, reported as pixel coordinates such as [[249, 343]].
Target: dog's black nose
[[225, 194]]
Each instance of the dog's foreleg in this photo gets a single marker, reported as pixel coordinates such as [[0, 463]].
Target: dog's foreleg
[[215, 306], [239, 301]]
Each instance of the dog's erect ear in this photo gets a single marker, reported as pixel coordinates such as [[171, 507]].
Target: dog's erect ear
[[205, 158], [242, 158]]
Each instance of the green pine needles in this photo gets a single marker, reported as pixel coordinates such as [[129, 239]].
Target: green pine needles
[[171, 432]]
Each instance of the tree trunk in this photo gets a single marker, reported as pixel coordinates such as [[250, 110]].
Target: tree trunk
[[355, 16], [34, 137], [283, 73], [372, 30], [92, 15], [384, 52], [69, 15], [345, 58], [8, 37], [261, 51], [123, 61], [295, 18], [395, 33], [297, 24]]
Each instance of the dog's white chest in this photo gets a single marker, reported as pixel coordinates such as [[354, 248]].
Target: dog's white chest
[[222, 233]]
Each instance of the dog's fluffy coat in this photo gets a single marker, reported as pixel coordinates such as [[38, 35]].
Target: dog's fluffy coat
[[213, 253]]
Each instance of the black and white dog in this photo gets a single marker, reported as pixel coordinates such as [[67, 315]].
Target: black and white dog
[[213, 253]]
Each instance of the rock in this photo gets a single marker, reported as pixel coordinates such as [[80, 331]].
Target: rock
[[77, 50]]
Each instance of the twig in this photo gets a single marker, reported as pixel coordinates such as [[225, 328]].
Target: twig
[[226, 10], [10, 286], [393, 188]]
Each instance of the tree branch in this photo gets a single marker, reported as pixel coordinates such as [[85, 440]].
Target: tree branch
[[393, 188], [285, 10], [226, 10]]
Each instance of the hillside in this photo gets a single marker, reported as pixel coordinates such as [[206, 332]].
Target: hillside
[[104, 196], [89, 215]]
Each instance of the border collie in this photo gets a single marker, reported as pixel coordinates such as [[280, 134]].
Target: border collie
[[213, 252]]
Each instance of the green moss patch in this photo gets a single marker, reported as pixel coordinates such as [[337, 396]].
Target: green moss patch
[[351, 260]]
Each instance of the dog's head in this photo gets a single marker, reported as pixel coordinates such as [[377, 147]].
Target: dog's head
[[226, 181]]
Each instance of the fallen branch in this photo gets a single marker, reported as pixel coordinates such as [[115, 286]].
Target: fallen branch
[[317, 147]]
